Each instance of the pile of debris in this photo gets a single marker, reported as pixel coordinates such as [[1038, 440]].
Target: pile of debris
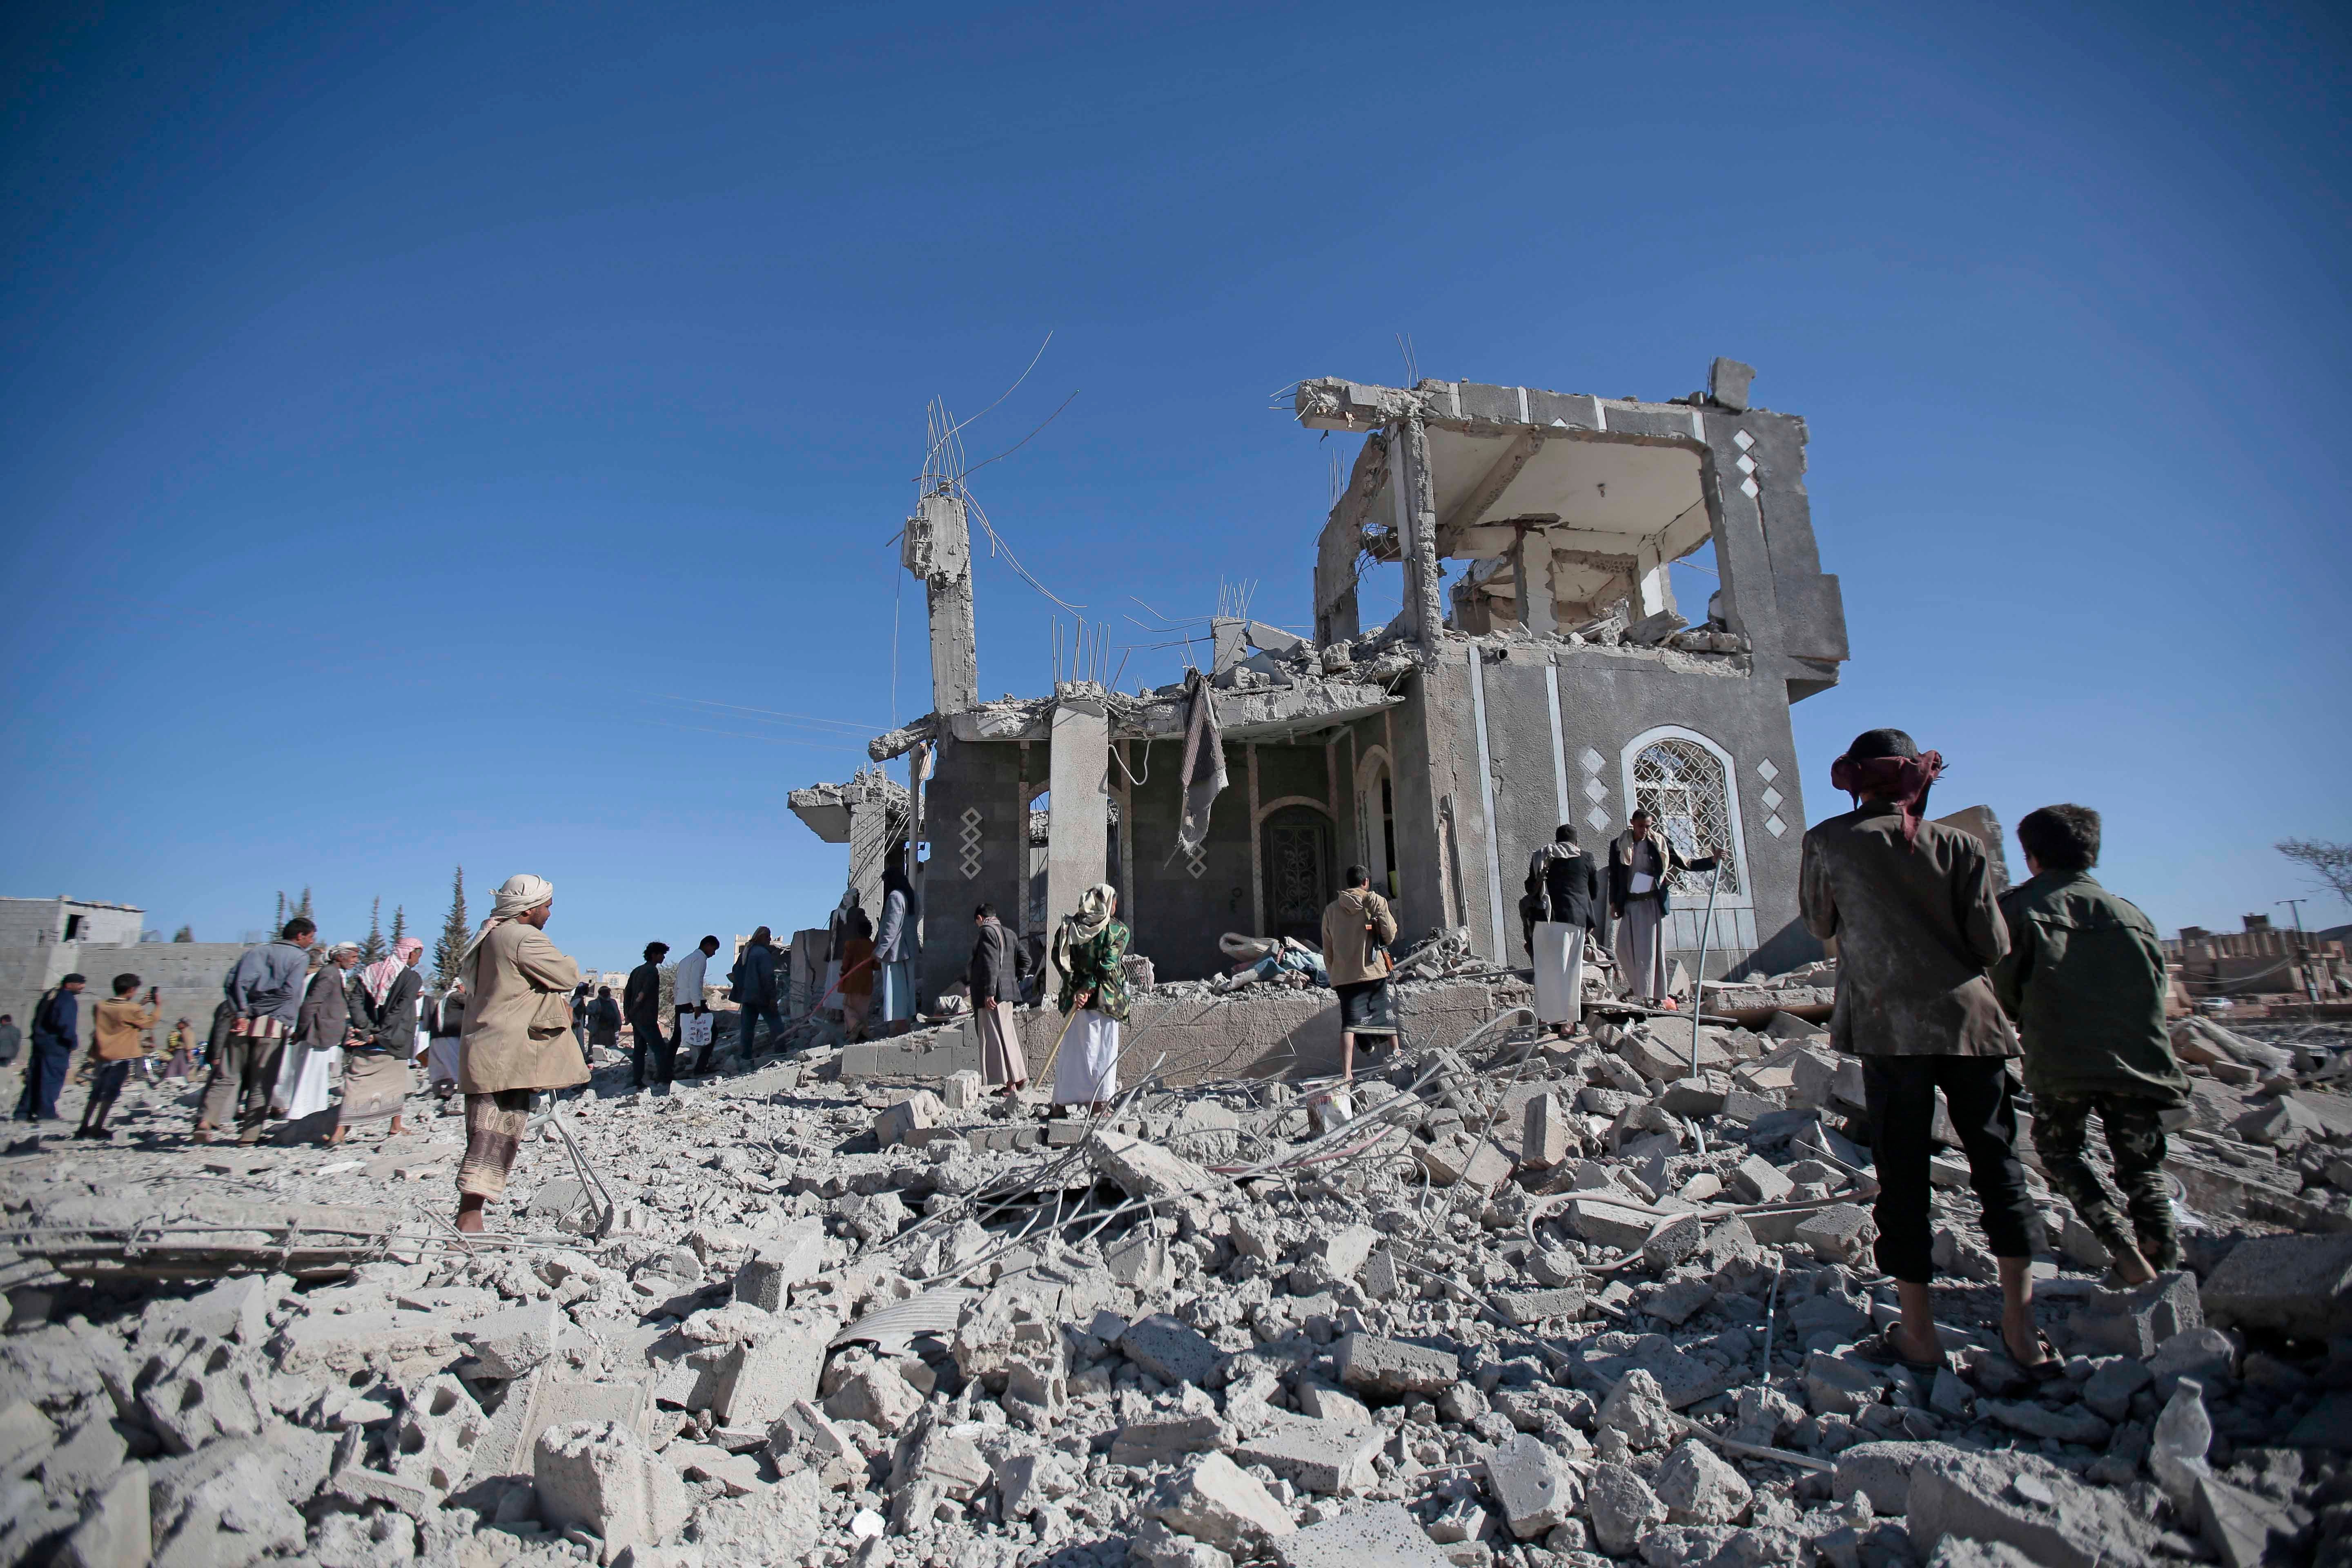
[[1531, 1300]]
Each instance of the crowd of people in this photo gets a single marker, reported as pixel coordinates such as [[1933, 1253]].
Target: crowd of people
[[1944, 980]]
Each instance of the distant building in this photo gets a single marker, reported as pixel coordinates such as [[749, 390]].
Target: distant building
[[2263, 959], [42, 941]]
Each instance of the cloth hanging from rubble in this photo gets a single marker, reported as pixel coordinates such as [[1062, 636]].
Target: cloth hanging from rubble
[[1202, 777]]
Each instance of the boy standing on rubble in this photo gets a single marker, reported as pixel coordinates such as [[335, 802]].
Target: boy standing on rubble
[[2085, 981]]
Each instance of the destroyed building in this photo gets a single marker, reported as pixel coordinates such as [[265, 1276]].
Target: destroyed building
[[1566, 684]]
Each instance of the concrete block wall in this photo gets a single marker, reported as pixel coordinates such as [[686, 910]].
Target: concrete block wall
[[190, 974], [1607, 700], [1258, 1034]]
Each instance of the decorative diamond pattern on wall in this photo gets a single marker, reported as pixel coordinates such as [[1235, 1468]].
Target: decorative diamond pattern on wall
[[1743, 441], [1768, 770], [1595, 791], [1593, 760], [1196, 861], [1747, 487], [1772, 797], [968, 843], [1774, 826], [1598, 818], [1746, 465]]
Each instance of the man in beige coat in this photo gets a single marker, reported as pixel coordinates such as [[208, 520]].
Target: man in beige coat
[[1357, 929], [518, 1035]]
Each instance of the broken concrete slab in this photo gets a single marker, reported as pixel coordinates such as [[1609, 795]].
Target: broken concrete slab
[[2297, 1285], [1381, 1532], [1389, 1368], [1979, 1496], [790, 1257], [1146, 1170], [1537, 1489], [1330, 1456], [1217, 1502], [600, 1476], [1169, 1349]]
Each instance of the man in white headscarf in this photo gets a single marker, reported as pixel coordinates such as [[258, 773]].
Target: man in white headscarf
[[518, 1035], [1090, 951]]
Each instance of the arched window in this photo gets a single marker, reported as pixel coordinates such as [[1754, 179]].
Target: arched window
[[1685, 784]]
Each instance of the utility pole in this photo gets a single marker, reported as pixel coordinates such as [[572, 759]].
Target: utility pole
[[2303, 953]]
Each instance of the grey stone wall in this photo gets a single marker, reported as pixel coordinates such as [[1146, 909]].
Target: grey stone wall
[[190, 974], [1608, 699]]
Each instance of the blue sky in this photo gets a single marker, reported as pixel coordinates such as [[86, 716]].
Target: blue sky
[[413, 417]]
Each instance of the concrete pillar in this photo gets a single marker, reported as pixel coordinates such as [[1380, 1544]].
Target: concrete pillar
[[1531, 564], [938, 549], [1652, 591], [1077, 831], [1416, 524]]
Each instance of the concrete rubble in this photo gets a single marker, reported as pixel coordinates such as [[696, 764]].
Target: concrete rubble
[[1527, 1299]]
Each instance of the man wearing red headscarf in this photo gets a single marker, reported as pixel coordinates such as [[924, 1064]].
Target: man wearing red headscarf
[[1910, 904]]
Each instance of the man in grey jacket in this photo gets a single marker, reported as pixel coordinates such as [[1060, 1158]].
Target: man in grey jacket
[[264, 990]]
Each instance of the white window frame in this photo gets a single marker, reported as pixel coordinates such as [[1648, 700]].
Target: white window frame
[[1745, 898]]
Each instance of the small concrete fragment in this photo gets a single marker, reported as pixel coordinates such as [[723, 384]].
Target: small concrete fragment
[[1879, 1471], [511, 1343], [2297, 1285], [1537, 1491], [1622, 1508], [1218, 1502], [1146, 1171], [600, 1476], [1382, 1534], [1839, 1234], [1169, 1349], [791, 1256], [1978, 1496], [1389, 1368], [115, 1531], [1699, 1488], [916, 1111], [1636, 1410]]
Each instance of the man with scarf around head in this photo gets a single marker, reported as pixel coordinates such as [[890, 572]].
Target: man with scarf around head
[[518, 1035], [1090, 953], [1910, 905], [376, 1078]]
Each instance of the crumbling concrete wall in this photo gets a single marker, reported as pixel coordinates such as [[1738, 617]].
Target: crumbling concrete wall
[[190, 974], [1609, 702], [1258, 1032]]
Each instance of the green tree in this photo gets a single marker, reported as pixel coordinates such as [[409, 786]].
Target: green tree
[[455, 933], [302, 910], [185, 934], [373, 949], [278, 924], [399, 923]]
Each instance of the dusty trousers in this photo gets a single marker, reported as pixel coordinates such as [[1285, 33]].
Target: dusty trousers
[[2061, 1134], [1900, 1094], [244, 1072]]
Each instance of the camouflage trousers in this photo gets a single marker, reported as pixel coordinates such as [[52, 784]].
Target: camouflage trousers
[[2136, 1140]]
